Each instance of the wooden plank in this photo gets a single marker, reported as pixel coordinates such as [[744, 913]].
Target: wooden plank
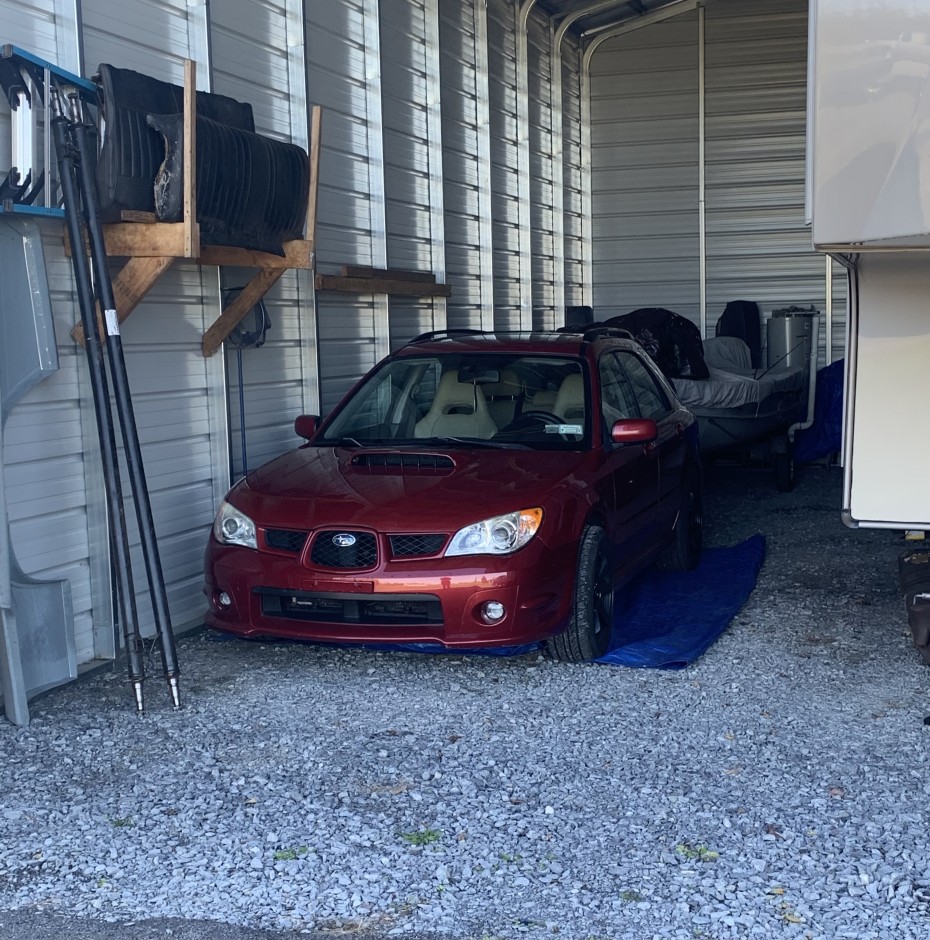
[[137, 215], [240, 306], [316, 117], [191, 228], [141, 240], [130, 286], [297, 254], [391, 274], [374, 285]]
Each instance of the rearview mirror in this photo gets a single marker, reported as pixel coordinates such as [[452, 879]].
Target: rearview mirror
[[478, 375], [306, 425], [634, 431]]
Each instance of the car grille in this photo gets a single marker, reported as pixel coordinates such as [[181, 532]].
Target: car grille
[[362, 554], [364, 609], [285, 540], [412, 546]]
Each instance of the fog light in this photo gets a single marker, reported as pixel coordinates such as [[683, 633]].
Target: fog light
[[224, 599], [492, 611]]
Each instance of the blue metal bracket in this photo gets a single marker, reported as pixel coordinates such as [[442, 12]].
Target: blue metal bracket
[[27, 81]]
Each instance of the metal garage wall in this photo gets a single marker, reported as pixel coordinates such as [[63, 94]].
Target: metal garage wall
[[343, 67], [466, 158], [644, 179], [505, 168], [542, 184], [572, 203], [251, 49], [177, 393], [412, 157], [758, 246], [646, 133], [44, 440]]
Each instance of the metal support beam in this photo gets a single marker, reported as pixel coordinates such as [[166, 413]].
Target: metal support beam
[[558, 176], [524, 192], [485, 198], [376, 186], [437, 222]]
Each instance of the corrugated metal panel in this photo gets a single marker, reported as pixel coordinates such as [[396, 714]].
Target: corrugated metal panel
[[645, 117], [573, 245], [251, 46], [758, 246], [175, 389], [408, 86], [644, 130], [341, 45], [542, 183], [505, 168], [135, 34], [465, 180]]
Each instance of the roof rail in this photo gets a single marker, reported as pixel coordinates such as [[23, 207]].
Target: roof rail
[[446, 334], [596, 332]]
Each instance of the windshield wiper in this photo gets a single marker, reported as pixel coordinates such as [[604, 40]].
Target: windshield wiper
[[474, 442], [336, 441]]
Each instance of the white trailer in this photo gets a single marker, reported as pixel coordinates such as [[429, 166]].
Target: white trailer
[[869, 202]]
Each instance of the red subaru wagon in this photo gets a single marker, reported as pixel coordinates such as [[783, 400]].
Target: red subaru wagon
[[473, 490]]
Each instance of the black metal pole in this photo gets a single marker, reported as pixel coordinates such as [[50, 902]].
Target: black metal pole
[[101, 396], [132, 449]]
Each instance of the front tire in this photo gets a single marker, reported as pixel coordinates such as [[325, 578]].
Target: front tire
[[588, 633]]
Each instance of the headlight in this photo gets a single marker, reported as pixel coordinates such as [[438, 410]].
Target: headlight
[[233, 527], [498, 536]]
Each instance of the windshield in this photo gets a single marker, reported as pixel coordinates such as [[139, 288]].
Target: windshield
[[483, 399]]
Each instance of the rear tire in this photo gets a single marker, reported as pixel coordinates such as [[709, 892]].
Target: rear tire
[[587, 635], [684, 552]]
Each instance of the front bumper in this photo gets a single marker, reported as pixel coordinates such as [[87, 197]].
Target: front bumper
[[436, 600]]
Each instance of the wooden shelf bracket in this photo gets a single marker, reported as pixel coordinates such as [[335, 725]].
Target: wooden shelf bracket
[[152, 246]]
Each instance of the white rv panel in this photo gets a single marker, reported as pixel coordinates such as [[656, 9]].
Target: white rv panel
[[870, 122], [887, 447]]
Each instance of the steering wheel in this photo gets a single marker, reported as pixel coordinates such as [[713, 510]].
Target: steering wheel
[[543, 416]]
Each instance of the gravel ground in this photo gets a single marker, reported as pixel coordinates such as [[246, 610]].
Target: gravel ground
[[776, 788]]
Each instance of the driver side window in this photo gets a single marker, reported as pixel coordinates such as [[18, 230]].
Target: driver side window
[[653, 402], [618, 400]]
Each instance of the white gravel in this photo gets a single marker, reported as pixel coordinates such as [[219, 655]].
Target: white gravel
[[778, 788]]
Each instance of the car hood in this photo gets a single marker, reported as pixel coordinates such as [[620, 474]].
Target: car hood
[[429, 489]]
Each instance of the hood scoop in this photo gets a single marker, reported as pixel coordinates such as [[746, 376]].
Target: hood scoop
[[393, 462]]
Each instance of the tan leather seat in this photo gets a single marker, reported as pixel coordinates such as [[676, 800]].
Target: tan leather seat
[[459, 409], [569, 402]]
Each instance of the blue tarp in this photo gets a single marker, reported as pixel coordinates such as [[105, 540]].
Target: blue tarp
[[666, 619], [825, 435]]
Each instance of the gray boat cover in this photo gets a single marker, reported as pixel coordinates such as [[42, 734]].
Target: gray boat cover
[[733, 382]]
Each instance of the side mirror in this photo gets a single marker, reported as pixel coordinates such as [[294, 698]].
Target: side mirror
[[634, 431], [306, 425]]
